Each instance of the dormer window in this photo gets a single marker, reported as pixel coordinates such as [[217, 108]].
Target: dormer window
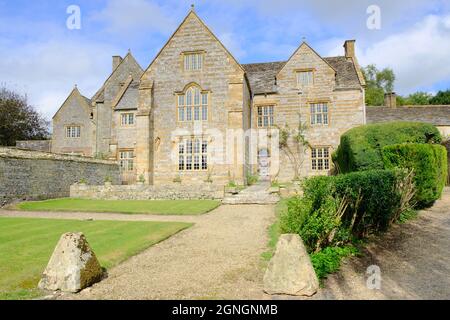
[[193, 61], [305, 78]]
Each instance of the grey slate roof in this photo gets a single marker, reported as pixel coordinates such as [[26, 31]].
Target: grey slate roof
[[437, 115], [130, 99], [261, 76], [346, 76]]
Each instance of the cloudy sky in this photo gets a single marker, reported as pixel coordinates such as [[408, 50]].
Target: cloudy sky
[[41, 57]]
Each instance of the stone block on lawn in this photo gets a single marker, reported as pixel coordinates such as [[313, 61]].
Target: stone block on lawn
[[73, 265], [290, 270]]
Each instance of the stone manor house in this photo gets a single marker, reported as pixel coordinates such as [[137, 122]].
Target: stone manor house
[[171, 122]]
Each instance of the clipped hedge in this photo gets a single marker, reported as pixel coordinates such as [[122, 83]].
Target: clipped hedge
[[429, 164], [360, 147], [336, 209]]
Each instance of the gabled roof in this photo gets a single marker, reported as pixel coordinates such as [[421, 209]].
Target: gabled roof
[[75, 94], [99, 95], [309, 47], [122, 91], [192, 13], [262, 75], [434, 114], [130, 99]]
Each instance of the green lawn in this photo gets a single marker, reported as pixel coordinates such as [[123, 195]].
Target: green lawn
[[27, 244], [160, 207]]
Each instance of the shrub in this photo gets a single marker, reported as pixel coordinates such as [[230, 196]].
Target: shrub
[[329, 259], [360, 147], [429, 166], [334, 210]]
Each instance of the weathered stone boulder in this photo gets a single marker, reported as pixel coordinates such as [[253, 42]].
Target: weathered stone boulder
[[73, 266], [290, 270]]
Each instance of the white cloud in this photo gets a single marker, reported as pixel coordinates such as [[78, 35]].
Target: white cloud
[[134, 16], [419, 56], [47, 71]]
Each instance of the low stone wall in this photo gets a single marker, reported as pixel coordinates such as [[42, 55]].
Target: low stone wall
[[146, 192], [35, 145], [31, 175]]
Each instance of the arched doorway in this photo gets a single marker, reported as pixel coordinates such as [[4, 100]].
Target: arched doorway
[[263, 164]]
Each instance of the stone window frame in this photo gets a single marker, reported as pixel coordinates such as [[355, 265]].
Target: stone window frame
[[124, 162], [298, 71], [199, 53], [127, 124], [321, 113], [201, 107], [326, 160], [193, 154], [269, 116], [70, 127]]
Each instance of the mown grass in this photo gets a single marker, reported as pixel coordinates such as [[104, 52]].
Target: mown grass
[[27, 244], [274, 230], [158, 207]]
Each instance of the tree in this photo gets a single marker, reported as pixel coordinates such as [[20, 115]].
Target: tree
[[442, 97], [378, 82], [418, 98], [19, 120]]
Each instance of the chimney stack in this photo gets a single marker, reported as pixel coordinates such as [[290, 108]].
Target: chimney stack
[[349, 46], [390, 100], [116, 61]]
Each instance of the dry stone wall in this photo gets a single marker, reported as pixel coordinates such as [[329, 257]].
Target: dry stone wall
[[31, 175]]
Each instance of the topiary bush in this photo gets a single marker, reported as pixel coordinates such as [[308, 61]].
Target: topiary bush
[[360, 147], [429, 165], [335, 210]]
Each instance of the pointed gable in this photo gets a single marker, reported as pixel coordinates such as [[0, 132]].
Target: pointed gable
[[305, 55], [126, 68], [193, 26], [75, 98]]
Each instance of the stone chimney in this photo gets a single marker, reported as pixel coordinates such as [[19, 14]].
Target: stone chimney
[[349, 47], [116, 61], [390, 100]]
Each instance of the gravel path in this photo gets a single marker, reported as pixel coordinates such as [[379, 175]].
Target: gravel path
[[414, 259], [218, 258]]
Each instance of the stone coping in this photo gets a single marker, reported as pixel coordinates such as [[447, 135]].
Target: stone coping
[[40, 155]]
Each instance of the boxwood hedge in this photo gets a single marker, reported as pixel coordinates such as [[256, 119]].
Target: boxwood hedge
[[429, 163], [360, 147], [372, 200]]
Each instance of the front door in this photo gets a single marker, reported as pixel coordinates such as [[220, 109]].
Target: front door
[[263, 164]]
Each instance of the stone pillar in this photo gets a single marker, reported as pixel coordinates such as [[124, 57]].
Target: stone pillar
[[144, 141], [390, 100]]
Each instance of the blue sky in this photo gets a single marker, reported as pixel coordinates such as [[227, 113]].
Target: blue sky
[[40, 56]]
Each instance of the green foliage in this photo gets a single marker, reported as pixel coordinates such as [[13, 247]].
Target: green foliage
[[252, 179], [141, 178], [334, 210], [19, 120], [232, 184], [442, 97], [418, 98], [378, 82], [374, 96], [329, 259], [360, 147], [83, 181], [429, 164]]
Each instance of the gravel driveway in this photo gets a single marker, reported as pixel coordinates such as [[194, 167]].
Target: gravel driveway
[[218, 258]]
